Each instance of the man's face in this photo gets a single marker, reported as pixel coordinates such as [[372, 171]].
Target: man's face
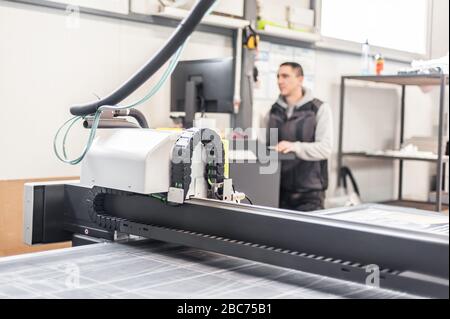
[[289, 80]]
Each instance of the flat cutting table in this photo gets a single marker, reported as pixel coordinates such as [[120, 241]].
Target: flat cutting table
[[153, 269]]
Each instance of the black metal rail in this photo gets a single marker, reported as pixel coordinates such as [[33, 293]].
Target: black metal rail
[[408, 261]]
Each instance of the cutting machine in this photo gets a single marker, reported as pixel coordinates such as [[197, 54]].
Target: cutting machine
[[172, 187]]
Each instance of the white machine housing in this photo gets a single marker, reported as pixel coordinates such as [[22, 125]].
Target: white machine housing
[[137, 161]]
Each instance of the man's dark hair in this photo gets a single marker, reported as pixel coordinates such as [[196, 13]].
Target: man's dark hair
[[297, 67]]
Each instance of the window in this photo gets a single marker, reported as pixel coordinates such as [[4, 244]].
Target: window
[[396, 24]]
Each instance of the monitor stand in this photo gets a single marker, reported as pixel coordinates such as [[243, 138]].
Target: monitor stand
[[193, 91], [190, 106]]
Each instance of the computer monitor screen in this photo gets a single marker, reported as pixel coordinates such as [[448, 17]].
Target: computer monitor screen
[[213, 81]]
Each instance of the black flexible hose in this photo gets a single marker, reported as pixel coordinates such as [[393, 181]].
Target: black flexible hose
[[180, 35], [139, 117]]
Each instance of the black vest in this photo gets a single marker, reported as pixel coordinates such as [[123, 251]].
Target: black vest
[[299, 176]]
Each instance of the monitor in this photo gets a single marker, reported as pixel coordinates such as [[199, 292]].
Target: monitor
[[205, 86]]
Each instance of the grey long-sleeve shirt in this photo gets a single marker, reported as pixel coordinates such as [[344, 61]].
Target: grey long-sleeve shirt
[[322, 148]]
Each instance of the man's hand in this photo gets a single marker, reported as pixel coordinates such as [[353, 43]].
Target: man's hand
[[285, 147]]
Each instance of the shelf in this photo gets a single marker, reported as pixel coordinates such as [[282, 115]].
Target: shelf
[[215, 24], [389, 157], [416, 204], [408, 80], [213, 20], [401, 80], [287, 34]]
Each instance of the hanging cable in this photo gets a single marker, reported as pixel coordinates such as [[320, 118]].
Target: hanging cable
[[70, 123], [179, 34]]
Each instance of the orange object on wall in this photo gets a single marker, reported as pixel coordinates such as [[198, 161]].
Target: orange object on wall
[[379, 62]]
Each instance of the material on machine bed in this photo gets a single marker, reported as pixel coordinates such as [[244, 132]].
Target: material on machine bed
[[151, 269]]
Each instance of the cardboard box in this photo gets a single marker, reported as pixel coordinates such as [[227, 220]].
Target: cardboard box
[[277, 11], [233, 8], [274, 13], [300, 17], [146, 7], [118, 6]]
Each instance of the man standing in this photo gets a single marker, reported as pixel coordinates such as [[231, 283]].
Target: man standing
[[305, 127]]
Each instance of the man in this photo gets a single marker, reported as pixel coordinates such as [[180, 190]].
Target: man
[[305, 127]]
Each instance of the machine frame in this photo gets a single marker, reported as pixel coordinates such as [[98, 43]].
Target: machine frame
[[315, 244]]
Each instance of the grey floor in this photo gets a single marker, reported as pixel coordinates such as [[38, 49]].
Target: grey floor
[[150, 269]]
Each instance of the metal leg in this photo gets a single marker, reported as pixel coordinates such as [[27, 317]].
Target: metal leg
[[190, 107], [402, 140], [82, 240], [233, 116], [341, 129], [244, 119], [440, 146], [444, 180]]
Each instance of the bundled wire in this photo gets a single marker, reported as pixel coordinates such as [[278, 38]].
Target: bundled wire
[[67, 126]]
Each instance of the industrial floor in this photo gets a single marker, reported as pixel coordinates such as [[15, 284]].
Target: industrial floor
[[150, 269]]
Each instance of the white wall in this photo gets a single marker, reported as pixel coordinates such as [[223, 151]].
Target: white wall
[[46, 67], [372, 118], [440, 47], [440, 41], [373, 122], [440, 28]]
